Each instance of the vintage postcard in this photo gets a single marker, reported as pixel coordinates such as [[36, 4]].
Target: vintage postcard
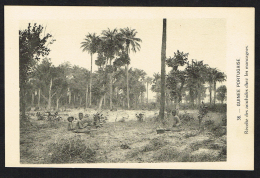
[[129, 87]]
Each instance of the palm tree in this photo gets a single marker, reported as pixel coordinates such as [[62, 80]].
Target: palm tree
[[90, 45], [217, 77], [196, 78], [130, 42], [111, 46]]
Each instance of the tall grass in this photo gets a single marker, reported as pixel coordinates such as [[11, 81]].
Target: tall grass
[[71, 150]]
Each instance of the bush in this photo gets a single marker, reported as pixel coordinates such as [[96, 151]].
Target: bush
[[70, 151], [153, 145], [209, 124], [167, 154], [221, 108], [219, 130], [186, 117]]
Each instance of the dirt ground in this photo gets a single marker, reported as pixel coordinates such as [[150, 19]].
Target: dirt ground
[[45, 142]]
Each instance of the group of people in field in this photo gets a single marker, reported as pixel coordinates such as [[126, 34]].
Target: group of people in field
[[82, 124]]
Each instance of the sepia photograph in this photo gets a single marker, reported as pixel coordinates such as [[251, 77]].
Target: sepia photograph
[[106, 90]]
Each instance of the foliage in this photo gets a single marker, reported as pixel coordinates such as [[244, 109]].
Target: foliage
[[221, 93], [179, 59], [221, 108], [32, 46], [71, 150], [91, 43]]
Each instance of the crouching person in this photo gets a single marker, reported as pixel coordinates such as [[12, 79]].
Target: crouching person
[[70, 125], [81, 125], [176, 119]]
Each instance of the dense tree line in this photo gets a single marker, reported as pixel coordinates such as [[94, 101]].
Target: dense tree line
[[116, 84], [69, 86], [192, 80]]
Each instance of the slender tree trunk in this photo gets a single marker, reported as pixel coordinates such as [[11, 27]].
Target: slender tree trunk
[[136, 98], [127, 85], [69, 97], [163, 56], [80, 100], [210, 92], [57, 104], [74, 97], [191, 97], [100, 102], [39, 98], [90, 83], [105, 99], [214, 93], [86, 97], [199, 94], [22, 101], [32, 99], [49, 100], [111, 88], [147, 93]]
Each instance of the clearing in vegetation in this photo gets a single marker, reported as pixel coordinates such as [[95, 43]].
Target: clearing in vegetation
[[129, 141]]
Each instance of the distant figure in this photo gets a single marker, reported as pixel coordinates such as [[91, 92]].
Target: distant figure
[[203, 110], [176, 119], [140, 117], [97, 118]]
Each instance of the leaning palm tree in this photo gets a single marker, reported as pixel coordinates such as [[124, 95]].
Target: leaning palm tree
[[130, 42], [90, 44]]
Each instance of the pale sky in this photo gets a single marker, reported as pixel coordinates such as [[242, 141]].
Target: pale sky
[[203, 39]]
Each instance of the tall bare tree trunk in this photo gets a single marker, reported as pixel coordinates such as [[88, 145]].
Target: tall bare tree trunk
[[147, 92], [49, 100], [110, 88], [163, 56], [80, 100], [32, 99], [105, 99], [90, 82], [111, 92], [39, 97], [100, 102], [86, 97], [210, 92], [22, 101], [74, 97], [57, 104], [69, 97], [127, 85], [214, 93], [199, 94]]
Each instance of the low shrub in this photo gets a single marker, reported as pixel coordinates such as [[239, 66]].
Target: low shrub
[[186, 117], [153, 145], [209, 124], [219, 130], [221, 108], [167, 154], [70, 151]]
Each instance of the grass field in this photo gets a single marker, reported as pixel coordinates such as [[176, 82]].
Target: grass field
[[44, 142]]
